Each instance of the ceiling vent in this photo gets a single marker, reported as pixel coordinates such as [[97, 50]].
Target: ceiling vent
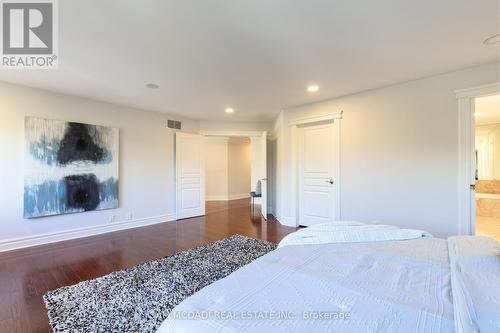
[[174, 124]]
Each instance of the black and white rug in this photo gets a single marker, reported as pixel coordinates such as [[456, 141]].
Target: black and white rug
[[138, 299]]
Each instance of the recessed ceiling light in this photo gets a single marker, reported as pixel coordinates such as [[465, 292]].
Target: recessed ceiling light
[[312, 88], [152, 86], [229, 110], [477, 114], [495, 39]]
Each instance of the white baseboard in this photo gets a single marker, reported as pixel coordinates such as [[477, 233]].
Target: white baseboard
[[239, 196], [23, 242], [227, 197], [216, 198]]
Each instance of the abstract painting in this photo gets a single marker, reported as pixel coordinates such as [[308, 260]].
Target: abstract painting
[[69, 167]]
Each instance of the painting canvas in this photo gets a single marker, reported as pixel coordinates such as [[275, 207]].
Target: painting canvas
[[69, 167]]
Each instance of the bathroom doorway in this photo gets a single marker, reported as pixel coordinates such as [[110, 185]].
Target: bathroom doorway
[[487, 157]]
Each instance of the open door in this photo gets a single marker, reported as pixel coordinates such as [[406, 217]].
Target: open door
[[190, 175], [263, 173]]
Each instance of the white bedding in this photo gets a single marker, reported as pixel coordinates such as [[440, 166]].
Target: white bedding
[[350, 232], [383, 286], [475, 279]]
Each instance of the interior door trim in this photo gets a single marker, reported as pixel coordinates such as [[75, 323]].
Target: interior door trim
[[318, 119]]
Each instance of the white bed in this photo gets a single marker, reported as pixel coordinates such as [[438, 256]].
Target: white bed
[[348, 278]]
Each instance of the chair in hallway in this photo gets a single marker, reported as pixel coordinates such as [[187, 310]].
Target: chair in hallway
[[256, 194]]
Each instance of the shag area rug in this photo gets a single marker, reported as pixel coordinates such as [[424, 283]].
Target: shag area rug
[[138, 299]]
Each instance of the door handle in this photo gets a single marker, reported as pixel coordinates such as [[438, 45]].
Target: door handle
[[473, 187], [330, 181]]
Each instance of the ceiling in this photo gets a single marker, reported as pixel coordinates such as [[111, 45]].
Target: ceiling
[[487, 110], [256, 56]]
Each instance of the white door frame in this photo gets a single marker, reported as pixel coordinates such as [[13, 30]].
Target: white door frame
[[336, 118], [233, 133], [249, 134], [466, 154]]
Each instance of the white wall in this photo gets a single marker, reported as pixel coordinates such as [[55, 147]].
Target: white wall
[[146, 164], [227, 168], [216, 168], [399, 151], [239, 165]]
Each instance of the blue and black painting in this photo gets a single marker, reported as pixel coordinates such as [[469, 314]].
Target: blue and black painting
[[73, 155]]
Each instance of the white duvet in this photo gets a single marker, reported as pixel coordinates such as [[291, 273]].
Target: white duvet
[[475, 280], [365, 285], [350, 232]]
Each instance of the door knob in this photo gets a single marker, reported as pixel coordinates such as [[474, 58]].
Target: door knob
[[330, 181]]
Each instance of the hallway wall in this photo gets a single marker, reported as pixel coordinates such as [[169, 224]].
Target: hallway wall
[[227, 168], [239, 165]]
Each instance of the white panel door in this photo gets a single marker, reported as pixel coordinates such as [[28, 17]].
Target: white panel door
[[316, 174], [190, 175], [263, 173]]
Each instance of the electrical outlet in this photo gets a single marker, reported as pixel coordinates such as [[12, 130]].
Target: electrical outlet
[[112, 218], [128, 216]]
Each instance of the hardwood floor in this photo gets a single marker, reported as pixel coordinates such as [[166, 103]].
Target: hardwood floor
[[26, 274]]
